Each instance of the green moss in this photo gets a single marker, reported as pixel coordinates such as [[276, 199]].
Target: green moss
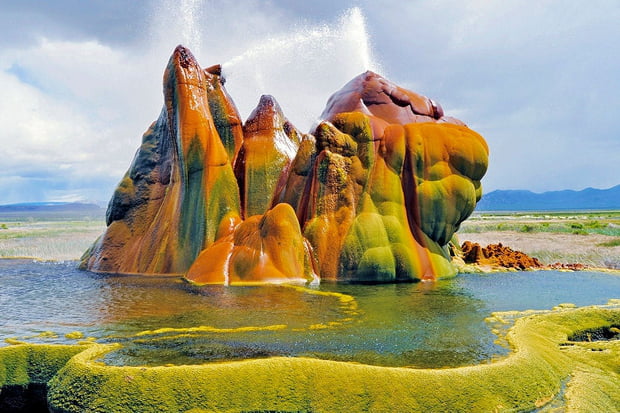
[[224, 124], [25, 364], [75, 335], [223, 199], [526, 228], [543, 359], [377, 265], [527, 379], [328, 137]]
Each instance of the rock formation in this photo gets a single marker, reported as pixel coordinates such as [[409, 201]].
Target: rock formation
[[265, 247], [497, 256], [381, 199], [270, 143], [180, 186], [374, 194]]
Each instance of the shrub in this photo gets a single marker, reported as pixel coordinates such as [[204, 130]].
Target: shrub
[[595, 224], [612, 243]]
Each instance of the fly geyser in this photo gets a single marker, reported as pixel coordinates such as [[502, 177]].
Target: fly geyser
[[374, 194]]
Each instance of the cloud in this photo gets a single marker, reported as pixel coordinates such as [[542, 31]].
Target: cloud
[[538, 81], [82, 81], [65, 103], [115, 22], [84, 104]]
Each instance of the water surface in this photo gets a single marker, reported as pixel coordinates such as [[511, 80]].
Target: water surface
[[422, 325]]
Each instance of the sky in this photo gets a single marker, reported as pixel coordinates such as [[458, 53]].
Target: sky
[[81, 81]]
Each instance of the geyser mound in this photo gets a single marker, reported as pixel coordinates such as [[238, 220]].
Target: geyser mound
[[374, 194]]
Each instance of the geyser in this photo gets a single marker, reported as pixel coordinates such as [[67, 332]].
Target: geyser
[[374, 194]]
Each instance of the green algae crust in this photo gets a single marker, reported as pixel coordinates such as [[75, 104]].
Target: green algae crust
[[25, 364], [529, 378], [543, 367]]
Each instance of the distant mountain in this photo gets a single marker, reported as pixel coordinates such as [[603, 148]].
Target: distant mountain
[[519, 200], [51, 210]]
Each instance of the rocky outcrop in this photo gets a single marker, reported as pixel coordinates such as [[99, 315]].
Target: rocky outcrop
[[270, 144], [374, 194], [567, 266], [265, 248], [181, 184], [376, 96], [378, 194], [498, 255]]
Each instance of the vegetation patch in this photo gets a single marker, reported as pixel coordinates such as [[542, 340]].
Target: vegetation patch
[[612, 243], [607, 223], [48, 240], [544, 368], [25, 370], [597, 334]]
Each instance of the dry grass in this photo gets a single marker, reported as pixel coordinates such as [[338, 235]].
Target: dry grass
[[567, 238], [48, 240]]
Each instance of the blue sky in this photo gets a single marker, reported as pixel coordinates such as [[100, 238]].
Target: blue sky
[[81, 81]]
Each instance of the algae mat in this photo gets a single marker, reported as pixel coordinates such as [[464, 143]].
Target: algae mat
[[151, 344], [544, 369]]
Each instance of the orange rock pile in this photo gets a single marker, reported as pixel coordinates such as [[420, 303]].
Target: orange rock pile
[[570, 267], [498, 255]]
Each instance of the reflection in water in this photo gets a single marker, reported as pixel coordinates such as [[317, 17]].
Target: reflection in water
[[165, 320]]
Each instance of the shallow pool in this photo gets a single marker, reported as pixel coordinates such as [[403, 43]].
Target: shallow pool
[[167, 321]]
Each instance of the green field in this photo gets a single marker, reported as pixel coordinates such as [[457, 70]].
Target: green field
[[578, 223]]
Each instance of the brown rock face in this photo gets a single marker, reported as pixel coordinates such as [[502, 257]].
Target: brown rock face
[[265, 247], [180, 186], [376, 96], [497, 255]]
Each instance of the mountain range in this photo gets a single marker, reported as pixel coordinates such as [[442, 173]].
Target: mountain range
[[521, 200], [52, 211]]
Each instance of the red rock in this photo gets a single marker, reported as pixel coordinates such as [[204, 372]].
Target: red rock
[[373, 95], [497, 255]]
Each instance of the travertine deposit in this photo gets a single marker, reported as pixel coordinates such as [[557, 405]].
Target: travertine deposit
[[374, 194]]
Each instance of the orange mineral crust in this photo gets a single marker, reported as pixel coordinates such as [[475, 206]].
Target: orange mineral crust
[[270, 144], [374, 194], [179, 187], [263, 248], [498, 256]]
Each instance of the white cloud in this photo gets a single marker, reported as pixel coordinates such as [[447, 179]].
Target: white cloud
[[538, 80], [96, 101], [81, 119], [540, 75]]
